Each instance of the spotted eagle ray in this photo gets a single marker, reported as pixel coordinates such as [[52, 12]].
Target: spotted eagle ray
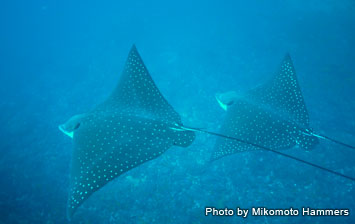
[[134, 125], [272, 117]]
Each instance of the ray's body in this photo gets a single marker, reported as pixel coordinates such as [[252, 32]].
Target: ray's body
[[132, 126], [273, 115]]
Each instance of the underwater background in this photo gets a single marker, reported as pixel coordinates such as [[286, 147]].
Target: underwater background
[[61, 58]]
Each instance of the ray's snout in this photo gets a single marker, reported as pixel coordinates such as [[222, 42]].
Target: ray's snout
[[226, 99], [71, 125], [63, 129]]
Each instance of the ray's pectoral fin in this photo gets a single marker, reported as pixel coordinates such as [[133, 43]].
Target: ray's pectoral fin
[[283, 94], [136, 91]]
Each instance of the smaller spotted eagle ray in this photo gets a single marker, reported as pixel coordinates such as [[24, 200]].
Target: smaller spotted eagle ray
[[134, 125], [272, 117]]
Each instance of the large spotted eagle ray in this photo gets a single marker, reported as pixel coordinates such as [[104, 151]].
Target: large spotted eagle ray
[[134, 125], [272, 117]]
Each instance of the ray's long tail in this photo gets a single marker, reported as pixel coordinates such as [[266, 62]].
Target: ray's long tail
[[334, 140], [277, 152]]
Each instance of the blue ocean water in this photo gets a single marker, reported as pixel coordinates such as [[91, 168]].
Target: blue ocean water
[[61, 58]]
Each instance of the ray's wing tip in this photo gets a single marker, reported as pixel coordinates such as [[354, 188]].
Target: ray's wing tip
[[70, 213], [214, 157], [133, 49], [287, 57], [134, 52]]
